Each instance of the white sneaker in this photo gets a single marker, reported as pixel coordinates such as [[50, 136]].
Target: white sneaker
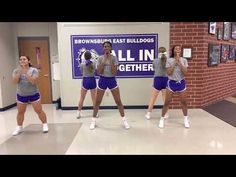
[[92, 125], [78, 114], [126, 124], [186, 123], [45, 128], [17, 131], [147, 116], [161, 122]]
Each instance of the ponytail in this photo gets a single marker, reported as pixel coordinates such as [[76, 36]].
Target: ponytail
[[163, 60], [162, 55], [88, 62]]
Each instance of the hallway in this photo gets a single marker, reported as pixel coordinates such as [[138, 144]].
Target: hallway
[[69, 135]]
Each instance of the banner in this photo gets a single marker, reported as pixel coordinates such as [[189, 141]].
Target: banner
[[135, 52]]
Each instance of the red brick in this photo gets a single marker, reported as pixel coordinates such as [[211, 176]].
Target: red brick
[[191, 26], [179, 34], [176, 31], [187, 30], [191, 34], [199, 30], [187, 38]]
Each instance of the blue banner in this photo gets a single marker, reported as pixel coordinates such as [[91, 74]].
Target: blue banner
[[135, 52]]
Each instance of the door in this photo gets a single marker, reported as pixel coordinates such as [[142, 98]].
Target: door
[[37, 49]]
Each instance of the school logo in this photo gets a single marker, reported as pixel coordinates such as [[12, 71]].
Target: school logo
[[81, 53]]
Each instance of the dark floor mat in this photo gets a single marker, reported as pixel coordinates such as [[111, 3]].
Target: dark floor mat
[[33, 141], [223, 110]]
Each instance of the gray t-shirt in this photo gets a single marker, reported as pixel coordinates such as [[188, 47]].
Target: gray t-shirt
[[24, 87], [177, 74], [86, 71], [158, 68], [107, 67]]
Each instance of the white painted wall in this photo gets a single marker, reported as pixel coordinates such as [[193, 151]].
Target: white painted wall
[[134, 91], [41, 30], [7, 64]]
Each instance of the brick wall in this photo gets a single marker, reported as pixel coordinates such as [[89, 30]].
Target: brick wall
[[205, 85]]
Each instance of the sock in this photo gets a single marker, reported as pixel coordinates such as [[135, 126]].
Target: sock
[[45, 124], [185, 117], [148, 113], [123, 118], [94, 119], [19, 126]]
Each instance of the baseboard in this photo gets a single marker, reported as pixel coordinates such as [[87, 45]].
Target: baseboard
[[111, 107], [7, 107]]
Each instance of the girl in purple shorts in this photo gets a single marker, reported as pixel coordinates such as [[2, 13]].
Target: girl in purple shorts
[[107, 69], [159, 81], [89, 82], [176, 71], [26, 78]]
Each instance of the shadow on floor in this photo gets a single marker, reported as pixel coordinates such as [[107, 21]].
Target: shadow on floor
[[33, 141]]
